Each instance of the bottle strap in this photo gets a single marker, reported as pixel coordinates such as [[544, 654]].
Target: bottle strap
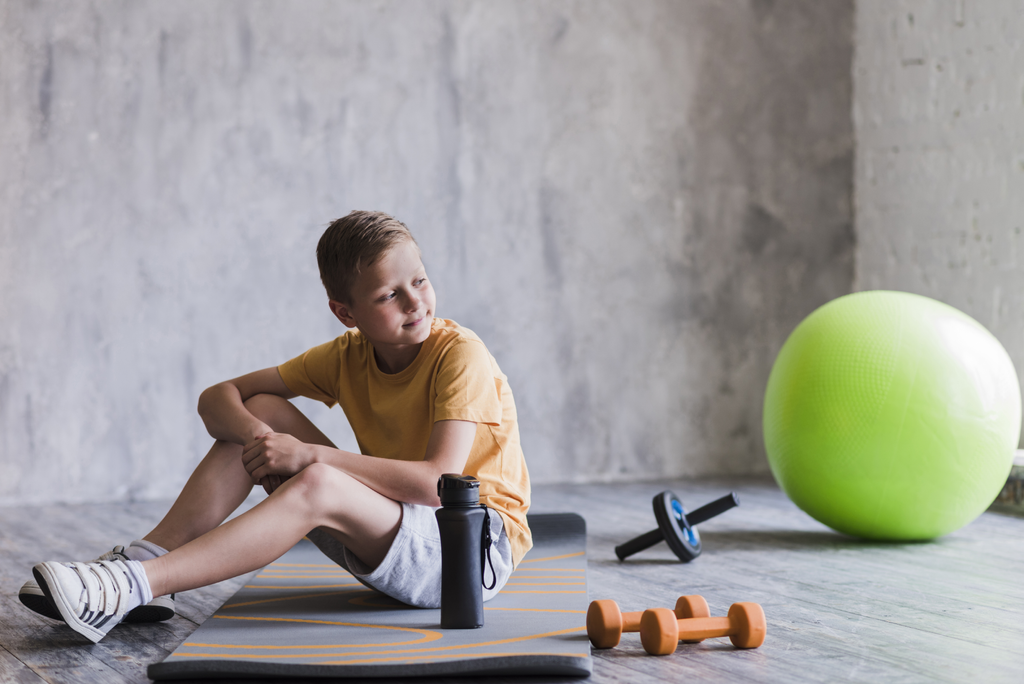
[[485, 548]]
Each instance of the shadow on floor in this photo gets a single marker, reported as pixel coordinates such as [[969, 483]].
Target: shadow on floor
[[761, 540]]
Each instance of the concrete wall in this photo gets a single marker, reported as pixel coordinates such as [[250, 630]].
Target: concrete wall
[[632, 202], [939, 120]]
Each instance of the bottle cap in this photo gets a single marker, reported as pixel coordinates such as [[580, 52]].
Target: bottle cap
[[458, 490]]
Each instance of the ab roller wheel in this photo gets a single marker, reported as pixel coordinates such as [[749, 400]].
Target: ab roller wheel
[[676, 527]]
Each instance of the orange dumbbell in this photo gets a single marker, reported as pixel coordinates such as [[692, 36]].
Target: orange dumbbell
[[605, 624], [661, 630]]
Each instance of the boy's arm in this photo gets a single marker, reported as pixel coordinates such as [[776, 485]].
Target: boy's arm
[[223, 410], [409, 481]]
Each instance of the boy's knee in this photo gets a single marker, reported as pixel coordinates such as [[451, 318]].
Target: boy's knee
[[320, 482]]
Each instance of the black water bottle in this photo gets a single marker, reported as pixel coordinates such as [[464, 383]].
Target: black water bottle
[[460, 521]]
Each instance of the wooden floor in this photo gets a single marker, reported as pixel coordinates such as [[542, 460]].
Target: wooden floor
[[838, 609]]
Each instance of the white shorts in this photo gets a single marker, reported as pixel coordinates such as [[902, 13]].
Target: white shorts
[[411, 570]]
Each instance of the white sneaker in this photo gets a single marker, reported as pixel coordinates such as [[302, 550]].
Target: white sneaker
[[159, 609], [93, 597]]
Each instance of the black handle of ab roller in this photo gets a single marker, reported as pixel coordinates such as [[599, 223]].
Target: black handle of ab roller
[[710, 510], [676, 526], [644, 541]]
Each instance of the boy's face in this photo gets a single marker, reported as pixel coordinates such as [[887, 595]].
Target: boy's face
[[392, 300]]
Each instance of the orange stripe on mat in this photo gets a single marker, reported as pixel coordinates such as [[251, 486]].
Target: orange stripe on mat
[[544, 584], [551, 558], [303, 586], [523, 591], [465, 656], [428, 634], [288, 598], [368, 653], [521, 569]]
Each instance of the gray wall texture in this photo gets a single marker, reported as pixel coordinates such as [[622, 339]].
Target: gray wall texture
[[633, 203], [939, 121]]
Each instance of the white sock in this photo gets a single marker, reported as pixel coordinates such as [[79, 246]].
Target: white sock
[[142, 550], [138, 573]]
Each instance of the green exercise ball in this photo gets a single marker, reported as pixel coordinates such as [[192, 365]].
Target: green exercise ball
[[891, 416]]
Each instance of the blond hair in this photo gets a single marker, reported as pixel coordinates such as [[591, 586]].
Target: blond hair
[[354, 242]]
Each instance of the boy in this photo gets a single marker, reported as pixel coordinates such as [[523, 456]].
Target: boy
[[424, 397]]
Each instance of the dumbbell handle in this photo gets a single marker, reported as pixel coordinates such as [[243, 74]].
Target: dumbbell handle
[[705, 512], [661, 630], [705, 628], [631, 623]]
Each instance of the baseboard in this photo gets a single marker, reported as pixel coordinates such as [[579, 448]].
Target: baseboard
[[1011, 499]]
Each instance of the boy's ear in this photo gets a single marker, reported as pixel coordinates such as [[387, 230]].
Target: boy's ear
[[342, 313]]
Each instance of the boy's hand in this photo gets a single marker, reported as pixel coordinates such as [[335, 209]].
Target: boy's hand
[[274, 457], [272, 482]]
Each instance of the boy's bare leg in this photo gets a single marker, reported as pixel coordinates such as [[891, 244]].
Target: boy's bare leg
[[319, 496], [217, 486], [220, 484]]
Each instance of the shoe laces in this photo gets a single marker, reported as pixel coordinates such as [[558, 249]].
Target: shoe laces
[[106, 590], [117, 553]]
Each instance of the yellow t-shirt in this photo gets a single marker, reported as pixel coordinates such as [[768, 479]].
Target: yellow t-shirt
[[453, 377]]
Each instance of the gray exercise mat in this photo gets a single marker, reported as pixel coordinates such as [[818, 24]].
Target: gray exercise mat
[[304, 616]]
